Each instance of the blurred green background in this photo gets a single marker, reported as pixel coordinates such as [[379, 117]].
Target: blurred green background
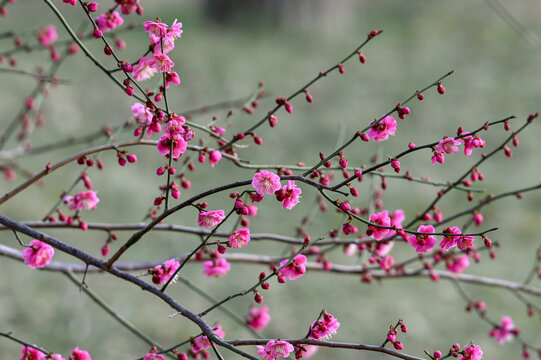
[[227, 48]]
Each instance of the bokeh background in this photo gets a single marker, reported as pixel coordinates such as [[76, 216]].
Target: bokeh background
[[227, 48]]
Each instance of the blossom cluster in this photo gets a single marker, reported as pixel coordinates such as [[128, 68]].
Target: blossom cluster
[[31, 353]]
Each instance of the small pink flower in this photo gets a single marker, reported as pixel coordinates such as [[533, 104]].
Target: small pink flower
[[240, 238], [324, 328], [258, 318], [141, 113], [162, 273], [386, 263], [472, 353], [71, 2], [160, 62], [382, 130], [381, 219], [275, 349], [47, 35], [216, 267], [210, 218], [448, 145], [38, 254], [173, 78], [504, 332], [289, 195], [423, 243], [477, 219], [383, 247], [294, 270], [83, 200], [465, 242], [175, 31], [143, 70], [29, 353], [472, 142], [77, 354], [172, 143], [158, 29], [109, 21], [307, 352], [449, 241], [266, 182], [215, 157], [202, 342], [153, 356], [57, 357], [252, 210], [129, 6], [457, 265], [438, 157]]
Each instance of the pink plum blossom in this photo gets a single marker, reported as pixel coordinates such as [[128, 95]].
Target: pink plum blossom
[[324, 328], [458, 264], [381, 219], [216, 267], [386, 263], [472, 142], [83, 200], [275, 349], [47, 35], [71, 2], [172, 141], [266, 182], [294, 270], [29, 353], [175, 31], [153, 356], [141, 113], [77, 354], [306, 351], [162, 273], [438, 157], [173, 78], [465, 242], [129, 6], [202, 342], [240, 238], [56, 357], [382, 130], [210, 218], [383, 247], [258, 318], [143, 70], [423, 243], [215, 157], [155, 28], [448, 145], [289, 195], [160, 62], [472, 353], [109, 21], [504, 332], [449, 241], [37, 254]]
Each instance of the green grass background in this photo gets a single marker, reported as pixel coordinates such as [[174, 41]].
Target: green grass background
[[497, 74]]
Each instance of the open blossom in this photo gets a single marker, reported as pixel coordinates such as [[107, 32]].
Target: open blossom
[[155, 28], [504, 332], [202, 342], [38, 254], [383, 247], [266, 182], [382, 130], [423, 243], [472, 353], [143, 70], [294, 270], [77, 354], [129, 6], [449, 241], [240, 238], [381, 219], [141, 113], [275, 349], [172, 78], [306, 351], [172, 143], [29, 353], [216, 267], [465, 242], [83, 200], [160, 62], [438, 157], [289, 195], [472, 142], [458, 264], [47, 35], [324, 327], [210, 218], [258, 318], [109, 21], [448, 145], [162, 273]]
